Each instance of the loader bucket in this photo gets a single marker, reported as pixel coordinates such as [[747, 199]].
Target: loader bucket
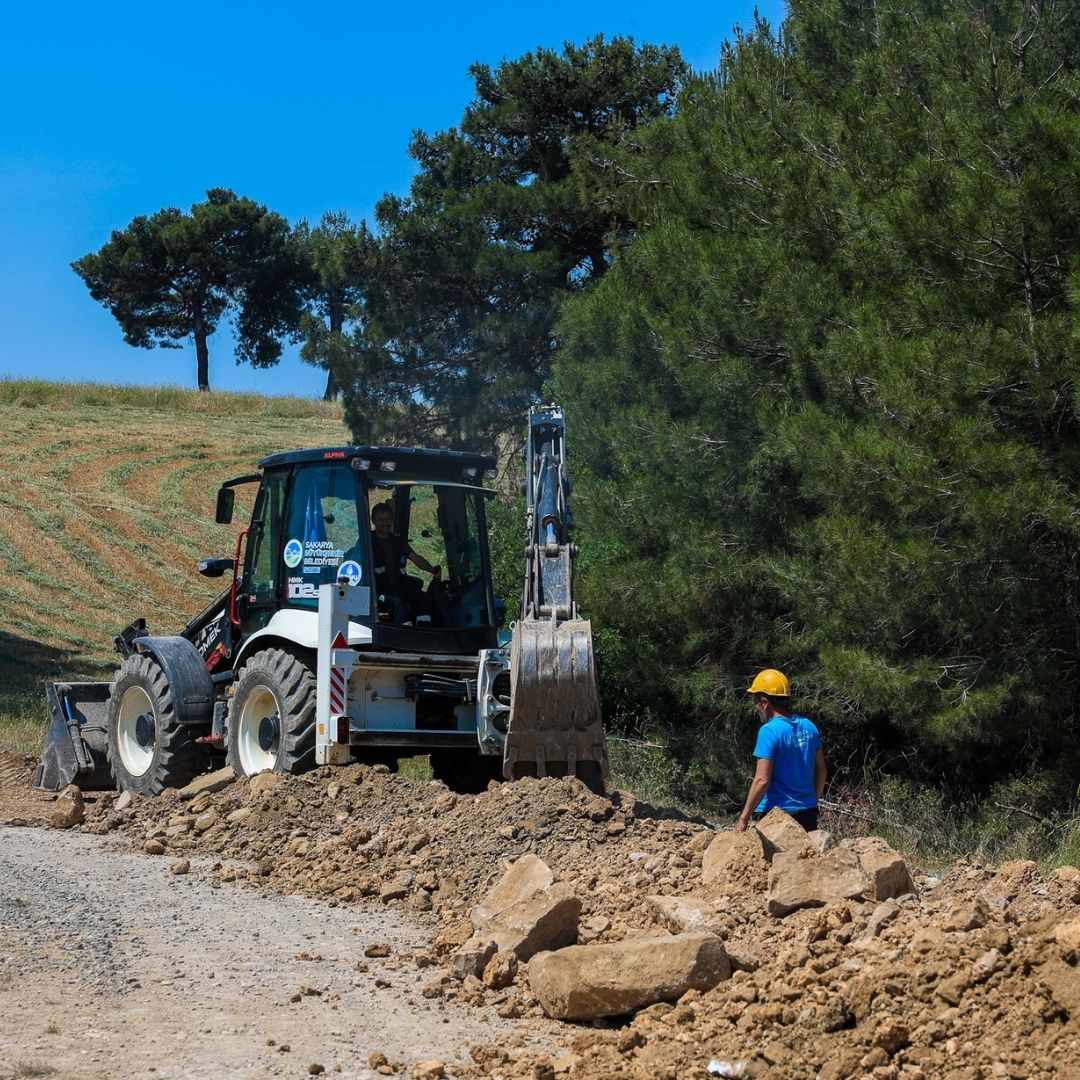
[[76, 748], [555, 727]]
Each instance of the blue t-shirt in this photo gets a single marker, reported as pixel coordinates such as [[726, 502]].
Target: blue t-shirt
[[792, 746]]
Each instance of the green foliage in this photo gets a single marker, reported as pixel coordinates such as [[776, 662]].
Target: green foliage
[[334, 256], [509, 212], [172, 276], [826, 397]]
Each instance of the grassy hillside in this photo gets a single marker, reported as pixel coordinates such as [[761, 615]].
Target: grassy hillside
[[106, 505]]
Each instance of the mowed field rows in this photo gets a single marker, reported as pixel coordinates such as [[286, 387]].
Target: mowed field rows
[[106, 506]]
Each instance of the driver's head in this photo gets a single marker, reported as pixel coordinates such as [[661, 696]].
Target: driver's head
[[382, 517]]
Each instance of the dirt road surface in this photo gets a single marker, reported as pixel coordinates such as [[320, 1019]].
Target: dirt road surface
[[110, 965]]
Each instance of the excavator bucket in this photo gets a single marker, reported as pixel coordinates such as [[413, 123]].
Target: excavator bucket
[[76, 748], [555, 727]]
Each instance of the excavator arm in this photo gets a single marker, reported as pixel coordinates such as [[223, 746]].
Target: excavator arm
[[555, 727]]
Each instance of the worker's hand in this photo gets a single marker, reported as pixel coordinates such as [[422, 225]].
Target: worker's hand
[[740, 825]]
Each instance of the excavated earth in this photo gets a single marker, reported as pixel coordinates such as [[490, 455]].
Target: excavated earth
[[973, 976]]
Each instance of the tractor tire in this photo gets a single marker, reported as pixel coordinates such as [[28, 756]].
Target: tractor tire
[[272, 715], [148, 750], [465, 771]]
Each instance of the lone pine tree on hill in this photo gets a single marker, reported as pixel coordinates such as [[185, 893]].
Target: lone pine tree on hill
[[173, 275]]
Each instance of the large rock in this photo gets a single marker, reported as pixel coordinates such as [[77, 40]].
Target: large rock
[[727, 854], [780, 833], [685, 914], [263, 782], [524, 878], [585, 982], [797, 881], [861, 869], [527, 911], [821, 840], [886, 872], [208, 782], [68, 809]]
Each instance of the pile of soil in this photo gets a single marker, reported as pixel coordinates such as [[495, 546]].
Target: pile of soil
[[974, 976]]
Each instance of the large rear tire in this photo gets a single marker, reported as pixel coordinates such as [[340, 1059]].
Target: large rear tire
[[148, 750], [272, 715]]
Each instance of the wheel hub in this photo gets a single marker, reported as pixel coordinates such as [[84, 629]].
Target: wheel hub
[[144, 730], [269, 728]]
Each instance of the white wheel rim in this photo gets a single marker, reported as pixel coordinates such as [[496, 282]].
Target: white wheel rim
[[135, 703], [258, 705]]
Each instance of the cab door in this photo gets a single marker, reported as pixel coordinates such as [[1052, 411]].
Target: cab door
[[259, 591]]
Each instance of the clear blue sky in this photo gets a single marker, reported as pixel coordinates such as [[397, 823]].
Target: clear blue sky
[[114, 109]]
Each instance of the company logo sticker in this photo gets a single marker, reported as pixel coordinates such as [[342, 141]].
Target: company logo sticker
[[294, 552], [350, 571]]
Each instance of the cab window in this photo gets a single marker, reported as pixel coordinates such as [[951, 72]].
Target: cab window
[[323, 535]]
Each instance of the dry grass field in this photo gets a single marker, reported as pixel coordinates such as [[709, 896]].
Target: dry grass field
[[106, 506]]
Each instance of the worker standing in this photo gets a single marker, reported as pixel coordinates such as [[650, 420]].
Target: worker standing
[[790, 771]]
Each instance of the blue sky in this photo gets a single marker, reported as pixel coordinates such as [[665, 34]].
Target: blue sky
[[116, 109]]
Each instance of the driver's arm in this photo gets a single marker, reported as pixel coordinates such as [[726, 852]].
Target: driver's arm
[[422, 564]]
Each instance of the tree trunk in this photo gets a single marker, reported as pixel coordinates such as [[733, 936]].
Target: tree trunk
[[202, 355], [336, 307]]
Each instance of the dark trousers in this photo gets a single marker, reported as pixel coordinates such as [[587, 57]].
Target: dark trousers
[[404, 597], [808, 819]]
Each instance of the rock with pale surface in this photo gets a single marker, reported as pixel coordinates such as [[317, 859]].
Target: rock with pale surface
[[527, 911], [500, 970], [585, 982], [797, 882], [967, 915], [821, 840], [886, 872], [780, 833], [429, 1070], [685, 914], [68, 810], [727, 852], [208, 782], [264, 781], [522, 880], [472, 957]]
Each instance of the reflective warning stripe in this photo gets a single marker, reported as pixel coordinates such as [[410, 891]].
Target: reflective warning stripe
[[337, 691]]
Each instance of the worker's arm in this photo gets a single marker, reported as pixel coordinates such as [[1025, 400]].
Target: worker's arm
[[758, 786], [422, 564], [820, 773]]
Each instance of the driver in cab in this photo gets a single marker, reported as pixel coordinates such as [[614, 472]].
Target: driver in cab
[[403, 595]]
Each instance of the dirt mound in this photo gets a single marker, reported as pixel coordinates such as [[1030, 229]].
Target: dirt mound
[[18, 802], [974, 976]]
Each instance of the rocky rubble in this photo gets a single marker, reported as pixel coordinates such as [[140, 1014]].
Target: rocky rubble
[[798, 957]]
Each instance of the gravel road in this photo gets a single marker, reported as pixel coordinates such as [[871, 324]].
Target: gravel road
[[112, 966]]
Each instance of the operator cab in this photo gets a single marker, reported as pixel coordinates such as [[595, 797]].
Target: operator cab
[[312, 525]]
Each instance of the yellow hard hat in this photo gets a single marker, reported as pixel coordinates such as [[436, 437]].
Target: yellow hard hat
[[771, 682]]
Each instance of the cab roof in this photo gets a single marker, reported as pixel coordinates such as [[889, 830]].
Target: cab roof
[[440, 464]]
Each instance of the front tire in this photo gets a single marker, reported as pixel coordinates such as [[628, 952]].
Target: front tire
[[272, 715], [148, 750]]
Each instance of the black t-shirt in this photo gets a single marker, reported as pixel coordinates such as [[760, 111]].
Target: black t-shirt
[[390, 556]]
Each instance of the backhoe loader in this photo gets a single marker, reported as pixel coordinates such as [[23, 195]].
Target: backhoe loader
[[326, 649]]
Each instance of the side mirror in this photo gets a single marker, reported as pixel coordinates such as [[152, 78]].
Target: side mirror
[[214, 567], [226, 498]]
